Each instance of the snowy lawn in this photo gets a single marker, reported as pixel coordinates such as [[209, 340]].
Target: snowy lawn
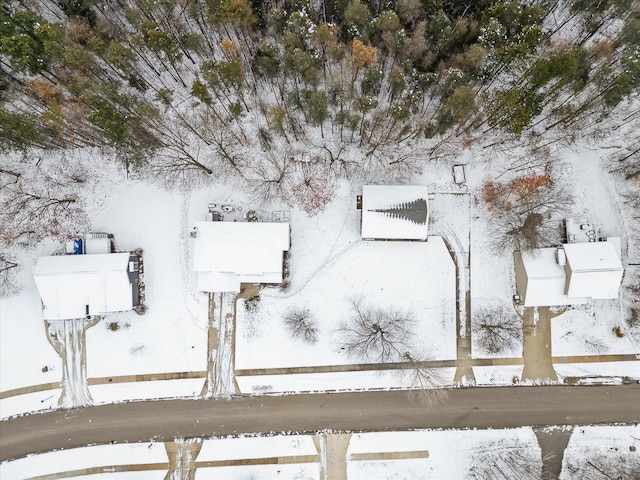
[[593, 450], [602, 372], [171, 336], [451, 454], [417, 277], [24, 348], [589, 330]]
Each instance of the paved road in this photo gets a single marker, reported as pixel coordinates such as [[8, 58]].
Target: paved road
[[468, 407]]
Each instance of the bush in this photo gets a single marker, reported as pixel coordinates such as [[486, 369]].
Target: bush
[[251, 303], [302, 324]]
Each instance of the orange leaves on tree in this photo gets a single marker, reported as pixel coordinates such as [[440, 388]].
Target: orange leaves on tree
[[229, 48], [363, 55], [46, 90], [530, 185], [503, 196]]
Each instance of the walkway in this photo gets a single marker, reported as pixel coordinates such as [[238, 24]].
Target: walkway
[[361, 367]]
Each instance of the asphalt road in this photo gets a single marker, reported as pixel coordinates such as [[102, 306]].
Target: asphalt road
[[363, 411]]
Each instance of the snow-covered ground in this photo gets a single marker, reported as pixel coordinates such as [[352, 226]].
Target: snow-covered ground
[[593, 450], [330, 265], [437, 454], [414, 276]]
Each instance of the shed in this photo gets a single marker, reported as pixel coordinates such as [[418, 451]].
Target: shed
[[227, 254], [459, 176], [395, 212], [74, 286]]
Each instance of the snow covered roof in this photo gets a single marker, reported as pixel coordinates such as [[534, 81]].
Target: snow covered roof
[[69, 283], [586, 270], [227, 254], [394, 212], [541, 281], [93, 245], [594, 268]]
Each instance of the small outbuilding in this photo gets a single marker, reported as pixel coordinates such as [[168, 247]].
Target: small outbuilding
[[227, 254], [394, 212], [77, 286]]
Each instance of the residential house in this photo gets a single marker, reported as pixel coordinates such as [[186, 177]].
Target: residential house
[[570, 274], [227, 254], [77, 286]]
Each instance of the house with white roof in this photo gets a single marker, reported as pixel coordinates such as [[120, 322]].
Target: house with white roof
[[77, 286], [570, 274], [227, 254], [394, 212]]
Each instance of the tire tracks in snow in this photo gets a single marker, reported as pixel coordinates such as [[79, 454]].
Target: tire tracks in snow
[[186, 275]]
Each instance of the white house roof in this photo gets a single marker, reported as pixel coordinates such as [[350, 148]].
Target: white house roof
[[395, 212], [588, 270], [545, 280], [227, 254], [97, 245], [595, 270], [69, 283]]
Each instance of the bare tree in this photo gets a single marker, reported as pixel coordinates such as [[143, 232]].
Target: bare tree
[[526, 233], [495, 463], [425, 382], [314, 186], [8, 284], [374, 334], [497, 328], [526, 211], [42, 203], [302, 324], [270, 178]]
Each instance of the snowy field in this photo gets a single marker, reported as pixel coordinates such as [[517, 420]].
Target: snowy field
[[594, 449], [589, 331]]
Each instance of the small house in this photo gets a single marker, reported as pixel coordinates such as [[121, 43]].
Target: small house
[[78, 286], [394, 212], [227, 254]]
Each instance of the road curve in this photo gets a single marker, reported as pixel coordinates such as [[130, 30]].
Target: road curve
[[497, 407]]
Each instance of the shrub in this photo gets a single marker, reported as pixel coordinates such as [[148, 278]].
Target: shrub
[[251, 303], [302, 324]]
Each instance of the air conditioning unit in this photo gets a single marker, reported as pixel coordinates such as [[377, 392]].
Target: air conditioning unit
[[561, 258]]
